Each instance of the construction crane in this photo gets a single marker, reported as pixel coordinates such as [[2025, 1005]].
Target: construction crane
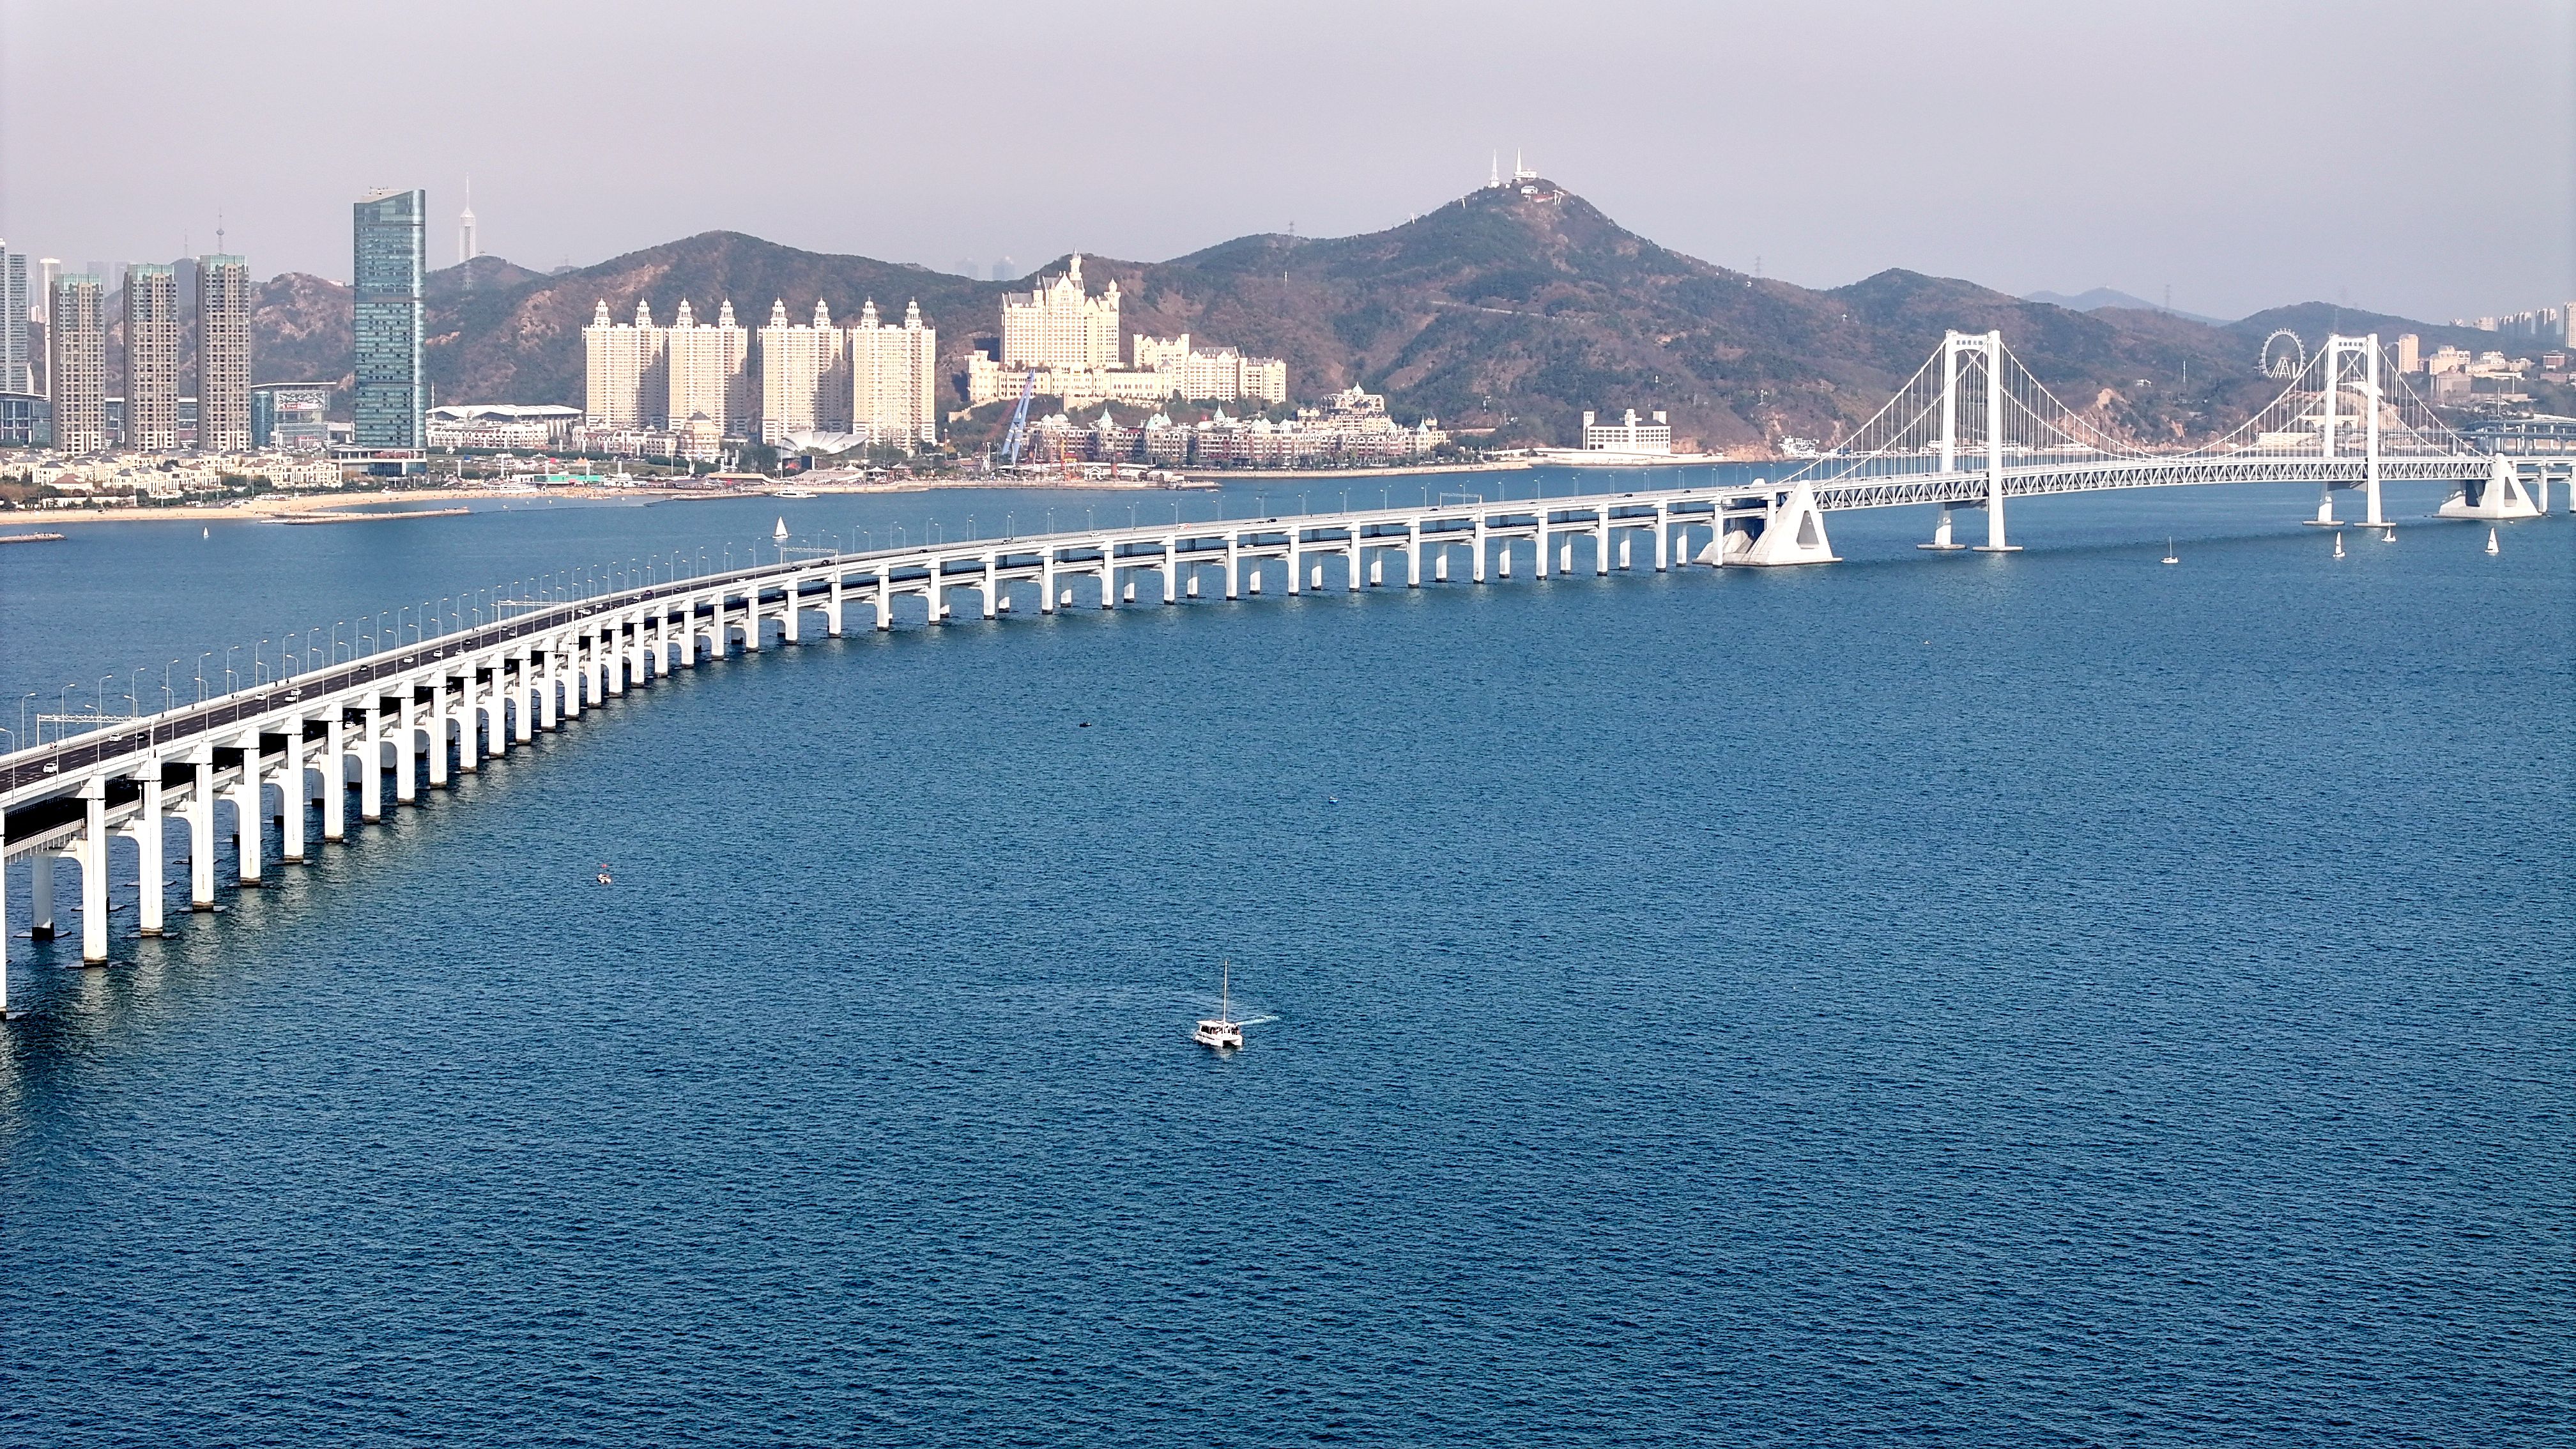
[[1019, 421]]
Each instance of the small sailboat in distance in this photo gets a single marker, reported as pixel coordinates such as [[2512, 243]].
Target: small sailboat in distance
[[780, 532], [2338, 543], [2169, 550], [2492, 548], [1223, 1031]]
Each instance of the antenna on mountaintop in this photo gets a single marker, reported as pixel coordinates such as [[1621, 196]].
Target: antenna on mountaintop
[[1494, 170]]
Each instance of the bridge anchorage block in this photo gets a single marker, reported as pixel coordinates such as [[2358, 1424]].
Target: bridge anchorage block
[[2497, 497], [2325, 511], [1791, 530], [1942, 542]]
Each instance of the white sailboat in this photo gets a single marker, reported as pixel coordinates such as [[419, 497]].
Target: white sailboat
[[1222, 1031], [2338, 543], [2169, 550], [2492, 547]]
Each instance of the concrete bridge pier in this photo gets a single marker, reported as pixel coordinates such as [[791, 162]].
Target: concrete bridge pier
[[201, 833], [149, 847], [292, 793], [1171, 569], [371, 767], [832, 620], [1233, 568], [434, 721], [250, 836], [93, 869], [403, 736], [335, 778], [40, 896], [469, 724]]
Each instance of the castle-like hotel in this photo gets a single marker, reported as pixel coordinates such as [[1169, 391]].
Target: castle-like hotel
[[1069, 341]]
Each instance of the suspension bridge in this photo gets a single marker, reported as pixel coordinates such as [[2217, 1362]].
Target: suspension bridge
[[258, 769]]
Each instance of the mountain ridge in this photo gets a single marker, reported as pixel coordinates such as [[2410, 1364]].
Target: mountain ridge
[[1505, 313]]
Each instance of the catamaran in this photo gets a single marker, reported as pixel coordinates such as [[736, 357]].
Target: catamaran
[[1223, 1031]]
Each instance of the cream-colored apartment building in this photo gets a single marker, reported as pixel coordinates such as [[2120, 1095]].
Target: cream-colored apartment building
[[894, 377], [628, 373], [710, 367], [804, 374]]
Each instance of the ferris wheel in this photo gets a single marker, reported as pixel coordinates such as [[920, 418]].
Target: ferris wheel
[[2284, 355]]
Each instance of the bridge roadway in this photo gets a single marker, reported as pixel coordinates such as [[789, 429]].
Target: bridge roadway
[[278, 750]]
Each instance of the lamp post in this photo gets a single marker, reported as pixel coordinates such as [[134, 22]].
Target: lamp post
[[201, 674], [229, 676]]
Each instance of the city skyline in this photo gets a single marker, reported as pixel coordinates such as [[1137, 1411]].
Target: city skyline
[[2195, 197]]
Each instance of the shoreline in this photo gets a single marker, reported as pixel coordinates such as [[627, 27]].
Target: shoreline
[[454, 502]]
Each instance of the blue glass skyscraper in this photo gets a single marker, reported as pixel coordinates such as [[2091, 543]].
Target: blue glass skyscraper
[[391, 400]]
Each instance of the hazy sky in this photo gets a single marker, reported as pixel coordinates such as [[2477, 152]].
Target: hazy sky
[[2412, 157]]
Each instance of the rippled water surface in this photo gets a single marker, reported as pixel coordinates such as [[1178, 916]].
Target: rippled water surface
[[2040, 1000]]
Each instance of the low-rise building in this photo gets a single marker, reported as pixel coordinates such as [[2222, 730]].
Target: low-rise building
[[1628, 435], [502, 427]]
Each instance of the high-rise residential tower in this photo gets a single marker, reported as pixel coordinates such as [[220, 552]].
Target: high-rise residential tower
[[390, 399], [627, 371], [893, 379], [17, 369], [710, 371], [223, 354], [804, 375], [151, 358], [76, 361]]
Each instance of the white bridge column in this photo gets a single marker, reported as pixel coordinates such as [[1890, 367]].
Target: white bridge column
[[406, 740], [149, 847], [291, 792], [335, 777], [93, 869], [201, 833], [469, 719], [250, 813], [436, 718], [832, 626], [1413, 553], [371, 762], [1477, 569], [1233, 566], [1171, 568], [788, 632], [40, 895]]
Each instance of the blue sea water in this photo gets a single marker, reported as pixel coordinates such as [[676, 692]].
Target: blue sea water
[[2034, 1000]]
